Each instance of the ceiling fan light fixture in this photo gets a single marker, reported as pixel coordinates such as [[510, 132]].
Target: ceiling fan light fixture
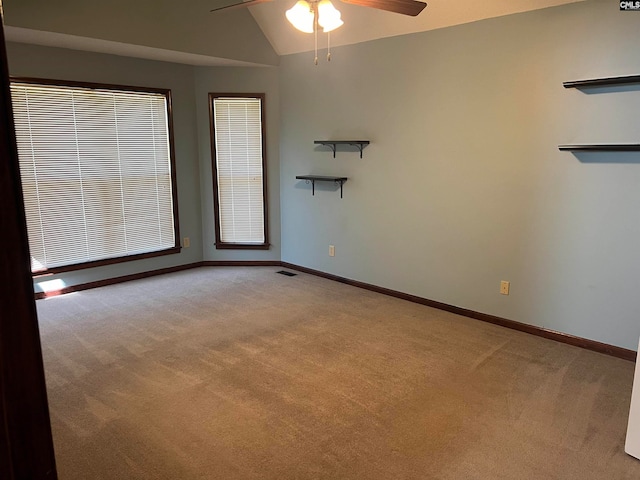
[[301, 16], [328, 16]]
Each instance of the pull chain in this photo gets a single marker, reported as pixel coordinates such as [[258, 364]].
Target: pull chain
[[315, 32], [328, 46]]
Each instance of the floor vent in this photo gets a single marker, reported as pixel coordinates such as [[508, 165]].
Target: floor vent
[[288, 274]]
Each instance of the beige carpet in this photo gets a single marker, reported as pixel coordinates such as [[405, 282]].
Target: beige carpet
[[241, 373]]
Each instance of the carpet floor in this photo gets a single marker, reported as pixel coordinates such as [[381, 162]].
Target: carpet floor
[[241, 373]]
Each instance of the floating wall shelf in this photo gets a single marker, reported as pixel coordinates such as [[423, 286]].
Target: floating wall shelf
[[603, 82], [624, 147], [333, 143], [319, 178]]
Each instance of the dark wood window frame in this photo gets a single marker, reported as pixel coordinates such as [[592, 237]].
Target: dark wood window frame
[[102, 86], [216, 207]]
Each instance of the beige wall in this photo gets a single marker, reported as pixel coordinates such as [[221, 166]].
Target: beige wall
[[463, 184], [43, 62], [239, 80]]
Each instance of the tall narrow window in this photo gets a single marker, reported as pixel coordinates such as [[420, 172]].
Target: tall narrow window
[[239, 177], [97, 172]]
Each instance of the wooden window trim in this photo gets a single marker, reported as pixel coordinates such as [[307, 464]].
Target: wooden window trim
[[172, 160], [214, 171], [106, 261]]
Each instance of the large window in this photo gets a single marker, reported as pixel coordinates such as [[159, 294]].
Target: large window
[[97, 172], [239, 176]]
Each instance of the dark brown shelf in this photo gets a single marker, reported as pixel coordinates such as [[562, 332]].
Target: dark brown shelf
[[603, 82], [321, 178], [332, 144], [616, 147]]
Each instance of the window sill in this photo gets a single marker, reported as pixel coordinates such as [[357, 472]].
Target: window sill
[[107, 261], [242, 246]]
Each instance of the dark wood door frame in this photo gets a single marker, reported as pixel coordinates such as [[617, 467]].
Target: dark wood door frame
[[26, 445]]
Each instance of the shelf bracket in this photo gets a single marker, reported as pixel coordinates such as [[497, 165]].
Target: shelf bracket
[[333, 148], [359, 145], [333, 144], [320, 178], [313, 185]]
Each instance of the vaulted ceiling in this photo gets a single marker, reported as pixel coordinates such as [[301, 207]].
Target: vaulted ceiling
[[186, 32], [362, 24]]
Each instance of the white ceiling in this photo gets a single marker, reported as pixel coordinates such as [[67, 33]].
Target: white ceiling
[[74, 42], [62, 24], [362, 24]]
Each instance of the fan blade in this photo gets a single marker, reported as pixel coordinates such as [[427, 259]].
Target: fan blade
[[405, 7], [248, 3]]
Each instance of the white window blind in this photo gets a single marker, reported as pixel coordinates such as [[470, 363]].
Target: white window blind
[[239, 164], [96, 173]]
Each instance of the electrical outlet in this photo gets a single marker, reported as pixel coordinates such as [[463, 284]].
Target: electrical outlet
[[332, 251], [504, 287], [186, 243]]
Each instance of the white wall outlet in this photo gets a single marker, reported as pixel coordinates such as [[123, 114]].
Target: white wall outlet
[[186, 243], [504, 287], [332, 251]]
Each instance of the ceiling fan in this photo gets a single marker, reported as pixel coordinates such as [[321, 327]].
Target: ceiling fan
[[404, 7], [308, 15]]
